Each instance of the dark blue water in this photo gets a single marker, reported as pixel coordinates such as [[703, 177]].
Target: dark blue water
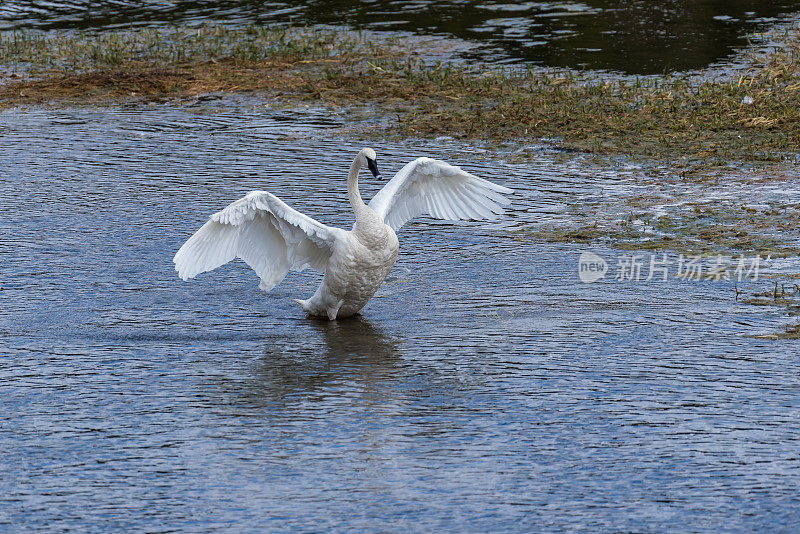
[[484, 389]]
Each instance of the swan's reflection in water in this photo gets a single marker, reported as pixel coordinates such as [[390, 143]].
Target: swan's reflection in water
[[348, 358], [356, 338]]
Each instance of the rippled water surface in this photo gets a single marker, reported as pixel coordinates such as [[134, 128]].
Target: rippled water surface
[[632, 36], [484, 389]]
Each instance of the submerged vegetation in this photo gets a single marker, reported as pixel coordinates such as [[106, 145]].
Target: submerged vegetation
[[754, 117], [734, 211], [785, 296]]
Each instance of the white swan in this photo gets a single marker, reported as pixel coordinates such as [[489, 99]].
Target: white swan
[[273, 238]]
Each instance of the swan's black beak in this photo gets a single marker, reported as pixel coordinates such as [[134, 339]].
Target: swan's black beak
[[373, 167]]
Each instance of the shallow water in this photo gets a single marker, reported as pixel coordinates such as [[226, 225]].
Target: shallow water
[[484, 389], [635, 37]]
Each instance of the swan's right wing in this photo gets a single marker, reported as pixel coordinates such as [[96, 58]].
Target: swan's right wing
[[428, 186], [266, 233]]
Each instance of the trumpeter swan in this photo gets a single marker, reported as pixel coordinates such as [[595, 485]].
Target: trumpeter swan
[[273, 238]]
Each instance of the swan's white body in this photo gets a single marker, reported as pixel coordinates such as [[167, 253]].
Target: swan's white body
[[273, 238]]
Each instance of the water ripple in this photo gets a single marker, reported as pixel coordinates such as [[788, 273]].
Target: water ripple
[[484, 389]]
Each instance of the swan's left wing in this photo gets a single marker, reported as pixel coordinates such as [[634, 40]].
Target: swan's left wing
[[427, 186], [266, 233]]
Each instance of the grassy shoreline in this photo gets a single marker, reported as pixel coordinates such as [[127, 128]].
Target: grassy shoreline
[[752, 118], [696, 130]]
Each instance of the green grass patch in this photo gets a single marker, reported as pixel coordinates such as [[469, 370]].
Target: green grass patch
[[80, 52]]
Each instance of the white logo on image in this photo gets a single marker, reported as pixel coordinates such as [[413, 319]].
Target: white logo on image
[[591, 267]]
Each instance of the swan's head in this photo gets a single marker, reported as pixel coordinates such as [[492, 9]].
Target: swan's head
[[369, 158]]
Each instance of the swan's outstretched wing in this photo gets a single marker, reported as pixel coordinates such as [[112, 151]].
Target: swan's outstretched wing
[[431, 187], [265, 232]]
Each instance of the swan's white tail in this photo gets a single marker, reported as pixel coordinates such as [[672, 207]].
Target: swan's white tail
[[303, 304]]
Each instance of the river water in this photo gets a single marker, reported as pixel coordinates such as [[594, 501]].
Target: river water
[[631, 36], [485, 388]]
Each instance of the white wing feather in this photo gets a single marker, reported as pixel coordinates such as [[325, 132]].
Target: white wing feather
[[266, 233], [427, 186]]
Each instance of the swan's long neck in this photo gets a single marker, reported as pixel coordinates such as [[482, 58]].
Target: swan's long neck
[[352, 187]]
